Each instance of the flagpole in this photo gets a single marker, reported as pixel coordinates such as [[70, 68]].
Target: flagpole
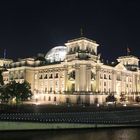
[[4, 54], [128, 51]]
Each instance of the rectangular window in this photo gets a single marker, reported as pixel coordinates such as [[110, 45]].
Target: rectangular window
[[46, 76], [50, 89], [40, 77], [49, 98], [54, 99], [56, 75], [101, 76], [51, 76]]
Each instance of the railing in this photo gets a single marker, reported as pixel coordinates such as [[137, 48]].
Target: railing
[[97, 117]]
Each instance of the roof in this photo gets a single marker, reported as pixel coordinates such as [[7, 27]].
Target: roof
[[81, 38], [128, 56]]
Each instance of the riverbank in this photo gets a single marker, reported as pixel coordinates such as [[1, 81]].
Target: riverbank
[[27, 126]]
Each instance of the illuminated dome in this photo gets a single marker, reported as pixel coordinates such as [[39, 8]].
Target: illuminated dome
[[56, 54]]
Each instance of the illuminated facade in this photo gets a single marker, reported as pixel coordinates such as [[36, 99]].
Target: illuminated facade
[[75, 74]]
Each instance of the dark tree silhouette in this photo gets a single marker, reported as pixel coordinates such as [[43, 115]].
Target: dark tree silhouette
[[111, 98], [137, 99], [17, 91], [122, 97]]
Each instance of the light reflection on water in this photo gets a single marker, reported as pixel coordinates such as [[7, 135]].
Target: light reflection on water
[[92, 134]]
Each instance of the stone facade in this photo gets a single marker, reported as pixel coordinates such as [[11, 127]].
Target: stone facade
[[81, 78]]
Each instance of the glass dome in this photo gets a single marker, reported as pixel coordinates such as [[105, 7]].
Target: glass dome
[[56, 54]]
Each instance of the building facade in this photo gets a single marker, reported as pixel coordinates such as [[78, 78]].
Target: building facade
[[75, 74]]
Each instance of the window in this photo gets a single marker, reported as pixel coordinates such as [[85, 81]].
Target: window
[[104, 83], [45, 76], [50, 89], [44, 98], [16, 76], [105, 76], [92, 76], [72, 75], [45, 89], [21, 76], [109, 77], [49, 98], [77, 49], [51, 76], [40, 77], [67, 100], [56, 76], [101, 76], [54, 99], [73, 87]]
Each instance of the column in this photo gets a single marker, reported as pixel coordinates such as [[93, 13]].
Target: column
[[77, 77], [97, 78]]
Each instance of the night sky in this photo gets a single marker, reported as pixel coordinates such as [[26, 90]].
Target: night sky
[[31, 27]]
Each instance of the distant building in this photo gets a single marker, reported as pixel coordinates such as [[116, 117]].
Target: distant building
[[75, 74], [5, 62]]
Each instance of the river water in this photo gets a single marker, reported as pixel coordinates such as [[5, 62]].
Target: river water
[[90, 134]]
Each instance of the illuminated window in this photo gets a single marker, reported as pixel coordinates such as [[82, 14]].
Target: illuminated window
[[35, 76]]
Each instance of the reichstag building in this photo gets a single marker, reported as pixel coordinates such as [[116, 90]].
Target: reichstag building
[[74, 73]]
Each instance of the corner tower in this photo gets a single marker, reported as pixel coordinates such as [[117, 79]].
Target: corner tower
[[130, 62], [82, 49]]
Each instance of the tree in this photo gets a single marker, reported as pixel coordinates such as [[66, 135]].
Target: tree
[[4, 95], [25, 91], [111, 98], [2, 89], [1, 78], [122, 97], [137, 99], [15, 92]]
